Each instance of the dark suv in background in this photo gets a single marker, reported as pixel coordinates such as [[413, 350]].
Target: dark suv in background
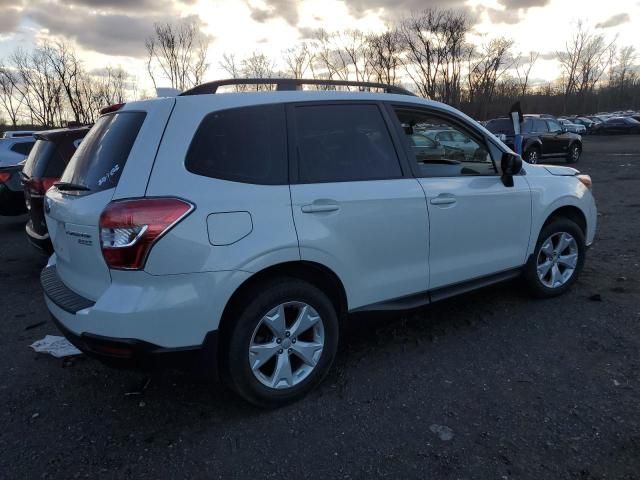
[[542, 137], [44, 167]]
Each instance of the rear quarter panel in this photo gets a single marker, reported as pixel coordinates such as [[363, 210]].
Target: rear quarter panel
[[189, 247]]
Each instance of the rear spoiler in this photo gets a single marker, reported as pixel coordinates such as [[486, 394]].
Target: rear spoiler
[[167, 92]]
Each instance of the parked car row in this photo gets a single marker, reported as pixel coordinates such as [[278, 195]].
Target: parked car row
[[175, 237], [627, 122], [24, 181], [543, 137]]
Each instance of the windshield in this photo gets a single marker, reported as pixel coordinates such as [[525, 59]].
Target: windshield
[[100, 158]]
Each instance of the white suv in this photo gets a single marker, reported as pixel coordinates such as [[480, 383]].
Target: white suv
[[240, 229]]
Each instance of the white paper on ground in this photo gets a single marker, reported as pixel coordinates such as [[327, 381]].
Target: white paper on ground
[[57, 346]]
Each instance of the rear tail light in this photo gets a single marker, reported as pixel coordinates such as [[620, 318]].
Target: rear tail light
[[129, 228], [4, 176], [39, 186]]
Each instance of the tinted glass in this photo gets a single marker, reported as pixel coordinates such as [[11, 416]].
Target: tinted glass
[[43, 152], [540, 126], [98, 162], [243, 145], [338, 143], [422, 141], [465, 153], [554, 126], [500, 125], [22, 148]]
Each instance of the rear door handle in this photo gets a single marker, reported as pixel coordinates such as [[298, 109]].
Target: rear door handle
[[443, 200], [320, 207]]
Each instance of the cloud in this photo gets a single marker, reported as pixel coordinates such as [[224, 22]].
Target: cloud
[[614, 21], [286, 9], [111, 27], [9, 19], [512, 4]]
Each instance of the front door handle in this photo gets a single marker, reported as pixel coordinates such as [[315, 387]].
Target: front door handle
[[320, 207], [443, 200]]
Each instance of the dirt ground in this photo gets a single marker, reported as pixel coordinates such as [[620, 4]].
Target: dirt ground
[[488, 385]]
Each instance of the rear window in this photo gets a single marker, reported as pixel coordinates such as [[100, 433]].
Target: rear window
[[100, 158], [500, 125], [22, 148], [246, 144]]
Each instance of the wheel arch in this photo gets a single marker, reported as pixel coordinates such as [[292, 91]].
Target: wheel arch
[[315, 273], [570, 212]]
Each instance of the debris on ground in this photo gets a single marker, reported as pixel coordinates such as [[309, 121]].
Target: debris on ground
[[140, 390], [444, 433], [596, 297], [57, 346]]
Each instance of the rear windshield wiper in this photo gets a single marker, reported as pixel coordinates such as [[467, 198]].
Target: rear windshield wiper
[[65, 186]]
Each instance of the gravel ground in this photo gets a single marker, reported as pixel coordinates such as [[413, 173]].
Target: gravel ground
[[488, 385]]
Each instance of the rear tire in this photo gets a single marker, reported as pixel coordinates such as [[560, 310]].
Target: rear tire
[[557, 259], [269, 361], [532, 155]]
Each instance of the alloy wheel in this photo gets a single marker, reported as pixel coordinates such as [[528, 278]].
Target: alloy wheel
[[286, 345], [532, 157], [575, 153], [557, 260]]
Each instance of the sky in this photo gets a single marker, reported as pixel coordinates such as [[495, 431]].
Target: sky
[[113, 32]]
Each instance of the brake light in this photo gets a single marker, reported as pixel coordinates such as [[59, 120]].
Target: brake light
[[4, 176], [39, 186], [111, 108], [129, 228]]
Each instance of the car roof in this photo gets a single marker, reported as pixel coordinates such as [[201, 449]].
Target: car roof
[[62, 133], [221, 101]]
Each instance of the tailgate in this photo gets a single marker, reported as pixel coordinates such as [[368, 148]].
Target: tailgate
[[120, 144]]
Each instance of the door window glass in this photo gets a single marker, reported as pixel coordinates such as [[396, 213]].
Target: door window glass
[[455, 151], [339, 143]]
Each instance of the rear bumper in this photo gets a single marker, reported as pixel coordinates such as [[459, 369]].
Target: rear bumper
[[136, 354], [144, 320]]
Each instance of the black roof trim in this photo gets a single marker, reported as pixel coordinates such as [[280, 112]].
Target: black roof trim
[[288, 84], [51, 135]]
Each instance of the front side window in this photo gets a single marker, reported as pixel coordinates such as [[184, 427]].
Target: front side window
[[541, 126], [456, 151], [554, 127], [247, 144], [339, 143]]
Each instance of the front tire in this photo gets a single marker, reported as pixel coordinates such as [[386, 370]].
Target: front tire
[[282, 343], [557, 259], [574, 153]]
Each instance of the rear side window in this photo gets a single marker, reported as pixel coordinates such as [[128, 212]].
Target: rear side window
[[22, 148], [338, 143], [98, 162], [246, 145]]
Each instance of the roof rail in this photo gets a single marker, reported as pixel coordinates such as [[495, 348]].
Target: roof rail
[[283, 84]]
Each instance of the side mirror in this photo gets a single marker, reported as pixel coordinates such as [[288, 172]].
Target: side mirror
[[511, 165]]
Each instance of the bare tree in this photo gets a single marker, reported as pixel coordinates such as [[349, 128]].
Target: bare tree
[[583, 61], [298, 60], [486, 66], [38, 84], [11, 98], [435, 46], [523, 71], [385, 55], [179, 53]]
